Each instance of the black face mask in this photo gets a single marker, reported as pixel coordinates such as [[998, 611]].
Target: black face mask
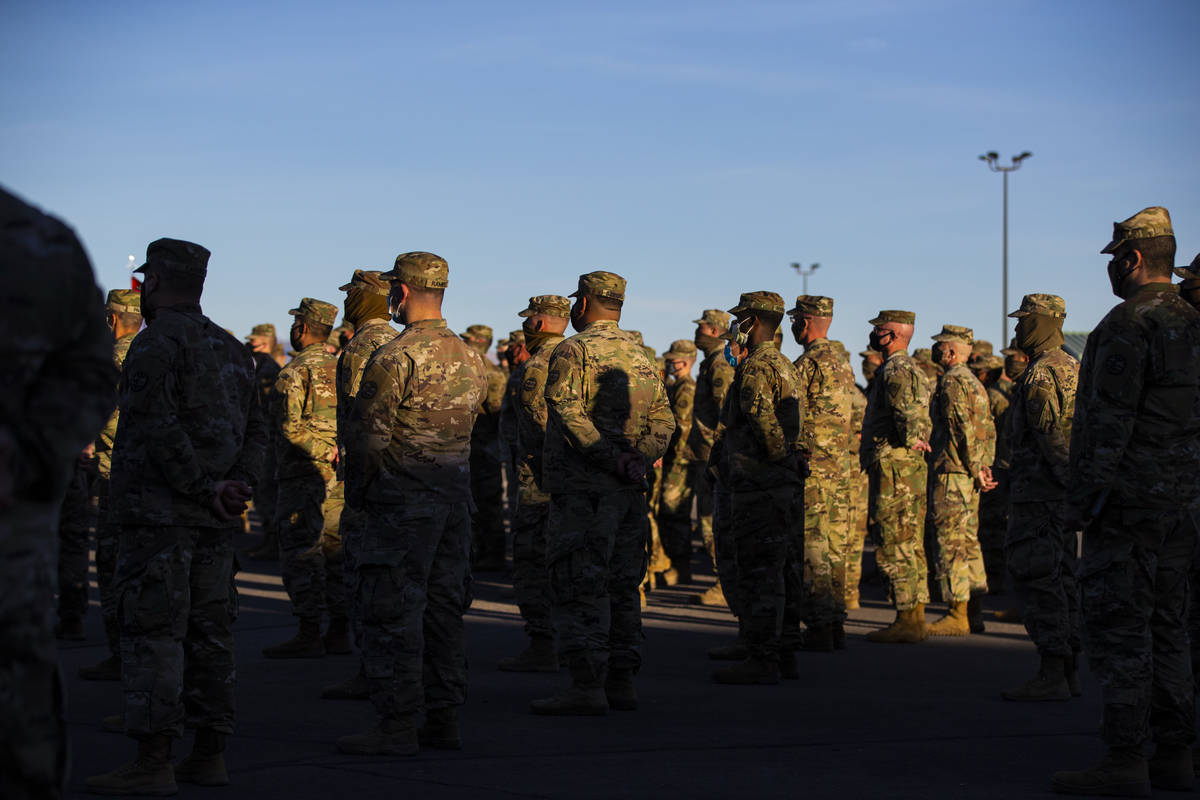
[[797, 329], [1117, 275], [881, 341]]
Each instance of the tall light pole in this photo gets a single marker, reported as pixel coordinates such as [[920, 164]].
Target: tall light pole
[[993, 161], [805, 272]]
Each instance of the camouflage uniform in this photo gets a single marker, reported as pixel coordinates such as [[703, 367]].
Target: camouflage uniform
[[189, 418], [407, 468], [712, 382], [310, 497], [993, 505], [370, 334], [487, 487], [762, 448], [266, 493], [59, 390], [963, 442], [604, 398], [856, 489], [531, 580], [674, 511], [826, 384], [1039, 549], [74, 525], [897, 417], [1135, 452]]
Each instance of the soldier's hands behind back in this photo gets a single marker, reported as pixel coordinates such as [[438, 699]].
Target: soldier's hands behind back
[[231, 498]]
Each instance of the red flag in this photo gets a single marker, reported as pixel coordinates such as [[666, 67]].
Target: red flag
[[135, 284]]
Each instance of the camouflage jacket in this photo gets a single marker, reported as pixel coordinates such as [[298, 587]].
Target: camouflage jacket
[[352, 361], [190, 417], [306, 414], [858, 406], [826, 384], [681, 395], [999, 400], [105, 443], [964, 436], [485, 437], [760, 436], [57, 370], [508, 411], [1136, 431], [712, 382], [897, 414], [531, 415], [1039, 427], [604, 397], [409, 433]]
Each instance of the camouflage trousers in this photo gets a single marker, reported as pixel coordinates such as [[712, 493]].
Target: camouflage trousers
[[703, 493], [993, 528], [310, 545], [596, 556], [531, 581], [825, 516], [412, 597], [108, 536], [897, 503], [487, 523], [1134, 583], [724, 549], [675, 513], [954, 501], [768, 544], [351, 525], [854, 487], [33, 741], [177, 602], [1041, 559], [266, 493], [73, 534]]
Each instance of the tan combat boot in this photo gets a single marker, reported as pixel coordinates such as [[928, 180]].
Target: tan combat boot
[[908, 628], [540, 656], [679, 572], [1122, 773], [585, 696], [1050, 683], [150, 774], [441, 730], [337, 636], [713, 597], [357, 688], [391, 737], [955, 623], [1172, 769], [307, 643], [852, 598], [748, 673], [619, 690], [205, 766]]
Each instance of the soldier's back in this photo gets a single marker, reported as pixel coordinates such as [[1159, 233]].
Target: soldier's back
[[828, 383]]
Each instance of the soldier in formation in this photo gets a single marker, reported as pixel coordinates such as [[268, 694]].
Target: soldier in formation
[[486, 472], [675, 487]]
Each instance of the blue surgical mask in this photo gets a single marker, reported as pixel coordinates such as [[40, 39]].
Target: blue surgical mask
[[733, 362]]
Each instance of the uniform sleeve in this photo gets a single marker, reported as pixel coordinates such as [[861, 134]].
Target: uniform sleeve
[[371, 421], [908, 396], [722, 379], [531, 396], [758, 401], [248, 467], [495, 389], [660, 425], [682, 411], [564, 400], [972, 433]]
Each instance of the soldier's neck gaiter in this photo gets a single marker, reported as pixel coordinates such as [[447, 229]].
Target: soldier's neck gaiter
[[535, 339], [361, 306], [707, 343], [1040, 333]]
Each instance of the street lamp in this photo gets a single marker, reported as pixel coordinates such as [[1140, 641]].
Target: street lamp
[[993, 161], [805, 272]]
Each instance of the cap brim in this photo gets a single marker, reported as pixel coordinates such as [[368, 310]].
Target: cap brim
[[346, 287], [1018, 314], [737, 309], [142, 268], [295, 312], [1187, 273], [877, 321], [1111, 247]]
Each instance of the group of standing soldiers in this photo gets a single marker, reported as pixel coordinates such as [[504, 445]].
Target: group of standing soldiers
[[369, 468]]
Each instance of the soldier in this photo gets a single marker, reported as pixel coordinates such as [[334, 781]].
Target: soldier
[[1015, 361], [366, 307], [73, 530], [765, 461], [188, 449], [871, 362], [963, 447], [486, 481], [923, 358], [1135, 453], [408, 450], [675, 500], [1039, 548], [546, 319], [712, 381], [856, 490], [825, 384], [260, 342], [124, 317], [895, 440], [993, 505], [1189, 288], [310, 496], [608, 421], [512, 357], [58, 393]]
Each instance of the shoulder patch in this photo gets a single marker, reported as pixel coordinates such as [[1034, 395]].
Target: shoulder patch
[[1115, 364], [368, 390], [138, 381]]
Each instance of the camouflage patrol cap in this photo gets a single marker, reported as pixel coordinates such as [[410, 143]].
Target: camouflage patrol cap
[[1190, 273], [1012, 349], [814, 305], [552, 305], [517, 336], [870, 354], [714, 317], [681, 350], [922, 354], [988, 362], [317, 311], [418, 268], [601, 284], [265, 329], [981, 347], [955, 333], [1049, 304], [368, 281], [124, 301], [177, 255], [769, 302], [1146, 224], [894, 315], [478, 333], [637, 337]]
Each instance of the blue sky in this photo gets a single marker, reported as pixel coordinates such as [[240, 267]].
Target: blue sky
[[695, 148]]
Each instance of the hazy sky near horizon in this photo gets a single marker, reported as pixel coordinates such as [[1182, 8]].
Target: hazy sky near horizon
[[695, 148]]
